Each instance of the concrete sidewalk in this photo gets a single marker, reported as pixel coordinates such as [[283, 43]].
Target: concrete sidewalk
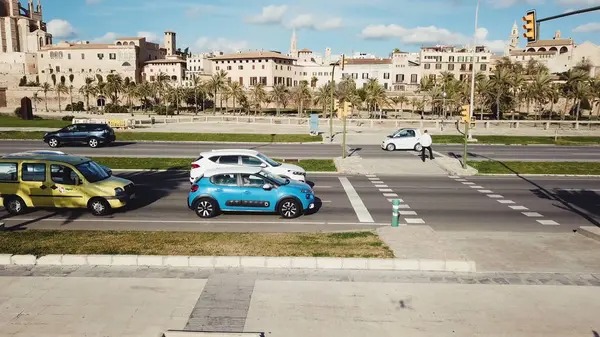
[[499, 251], [125, 302]]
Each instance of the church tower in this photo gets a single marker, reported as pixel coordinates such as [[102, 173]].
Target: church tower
[[294, 44], [514, 40]]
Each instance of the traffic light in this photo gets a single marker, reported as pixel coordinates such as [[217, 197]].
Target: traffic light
[[530, 26], [464, 111]]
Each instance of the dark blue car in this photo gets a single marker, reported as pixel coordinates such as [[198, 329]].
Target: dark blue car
[[93, 135], [248, 189]]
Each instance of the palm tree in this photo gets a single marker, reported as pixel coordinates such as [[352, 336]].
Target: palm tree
[[313, 81], [553, 96], [376, 96], [259, 95], [501, 83], [595, 93], [279, 96], [216, 84], [540, 88], [301, 95], [60, 89], [70, 88], [322, 97], [143, 91], [235, 91], [36, 99], [87, 90], [45, 88], [196, 86], [574, 88], [114, 85]]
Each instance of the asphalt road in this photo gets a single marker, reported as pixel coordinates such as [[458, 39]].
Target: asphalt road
[[538, 205], [316, 151]]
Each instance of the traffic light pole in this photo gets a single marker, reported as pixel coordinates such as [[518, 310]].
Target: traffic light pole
[[466, 141], [332, 88], [580, 11]]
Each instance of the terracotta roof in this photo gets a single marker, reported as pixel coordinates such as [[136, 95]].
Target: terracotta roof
[[85, 46], [164, 61], [305, 50], [253, 55], [550, 43], [130, 38], [368, 61], [525, 53]]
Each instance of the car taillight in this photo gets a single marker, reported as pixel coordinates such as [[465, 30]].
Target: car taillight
[[195, 166], [194, 188]]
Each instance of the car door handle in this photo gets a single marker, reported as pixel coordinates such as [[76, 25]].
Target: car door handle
[[43, 187], [246, 192], [53, 187]]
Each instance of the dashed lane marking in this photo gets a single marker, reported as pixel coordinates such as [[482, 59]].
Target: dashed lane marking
[[385, 190], [381, 186], [390, 194], [408, 213], [399, 200], [357, 204], [509, 203], [414, 220]]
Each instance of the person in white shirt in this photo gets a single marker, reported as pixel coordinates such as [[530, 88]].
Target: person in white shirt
[[426, 144]]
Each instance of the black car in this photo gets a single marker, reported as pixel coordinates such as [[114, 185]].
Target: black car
[[92, 134]]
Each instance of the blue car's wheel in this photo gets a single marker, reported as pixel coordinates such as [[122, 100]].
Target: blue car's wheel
[[206, 208], [290, 208]]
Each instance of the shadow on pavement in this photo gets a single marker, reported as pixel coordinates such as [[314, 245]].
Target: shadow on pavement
[[585, 204], [151, 186]]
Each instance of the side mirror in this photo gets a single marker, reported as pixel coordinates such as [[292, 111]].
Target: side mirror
[[107, 170], [267, 187], [263, 165]]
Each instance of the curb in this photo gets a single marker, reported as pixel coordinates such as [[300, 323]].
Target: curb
[[537, 175], [191, 141], [591, 232], [491, 144], [151, 170], [321, 263]]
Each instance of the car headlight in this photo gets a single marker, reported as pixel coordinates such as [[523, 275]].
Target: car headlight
[[119, 190]]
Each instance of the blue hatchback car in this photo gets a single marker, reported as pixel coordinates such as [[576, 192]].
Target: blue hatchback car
[[248, 189]]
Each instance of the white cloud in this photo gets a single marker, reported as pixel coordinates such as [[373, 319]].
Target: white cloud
[[588, 27], [510, 3], [307, 21], [220, 44], [269, 15], [61, 29], [197, 10], [429, 36], [150, 37], [578, 2], [106, 38]]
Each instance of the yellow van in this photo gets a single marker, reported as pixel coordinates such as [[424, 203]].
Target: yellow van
[[30, 180]]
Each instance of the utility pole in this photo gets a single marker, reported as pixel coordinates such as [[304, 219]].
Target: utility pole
[[332, 88], [473, 64]]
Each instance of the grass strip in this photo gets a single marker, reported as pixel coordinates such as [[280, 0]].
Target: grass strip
[[125, 136], [7, 121], [44, 242], [115, 163], [521, 167], [518, 140]]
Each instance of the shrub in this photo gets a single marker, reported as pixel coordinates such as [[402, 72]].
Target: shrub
[[68, 118], [22, 81], [163, 110], [115, 109], [76, 107], [17, 112]]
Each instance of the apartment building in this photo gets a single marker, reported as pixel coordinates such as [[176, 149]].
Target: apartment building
[[455, 60], [250, 68]]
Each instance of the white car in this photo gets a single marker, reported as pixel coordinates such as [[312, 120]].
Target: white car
[[403, 139], [238, 157]]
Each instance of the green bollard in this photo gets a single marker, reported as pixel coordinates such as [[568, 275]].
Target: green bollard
[[395, 208]]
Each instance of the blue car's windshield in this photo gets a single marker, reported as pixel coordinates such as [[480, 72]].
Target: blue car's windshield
[[92, 171], [278, 180], [268, 160]]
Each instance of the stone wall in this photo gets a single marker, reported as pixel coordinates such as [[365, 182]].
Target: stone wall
[[14, 96]]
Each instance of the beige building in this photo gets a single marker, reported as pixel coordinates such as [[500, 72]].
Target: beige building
[[455, 60], [250, 68], [171, 68], [22, 34]]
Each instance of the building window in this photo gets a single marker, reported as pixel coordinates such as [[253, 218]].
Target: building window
[[217, 68], [112, 56], [451, 59], [240, 67], [263, 80], [438, 66], [263, 66], [69, 56], [365, 76], [57, 69], [413, 78], [241, 81], [253, 67], [427, 66], [70, 70], [100, 56], [385, 86], [483, 67], [82, 56], [228, 67], [386, 76], [253, 81], [400, 78]]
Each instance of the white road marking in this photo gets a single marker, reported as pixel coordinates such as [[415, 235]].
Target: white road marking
[[390, 194], [506, 201], [577, 190], [495, 196], [198, 222], [381, 186], [407, 212], [392, 200], [461, 180], [468, 183], [325, 201], [519, 208], [403, 206], [454, 177], [377, 182], [532, 214], [548, 222], [414, 220], [373, 178], [370, 175], [485, 191], [476, 186], [359, 207], [385, 190]]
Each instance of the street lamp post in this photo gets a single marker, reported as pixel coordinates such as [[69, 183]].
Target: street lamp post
[[472, 100], [332, 88]]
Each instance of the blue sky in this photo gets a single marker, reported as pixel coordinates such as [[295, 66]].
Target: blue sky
[[346, 26]]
